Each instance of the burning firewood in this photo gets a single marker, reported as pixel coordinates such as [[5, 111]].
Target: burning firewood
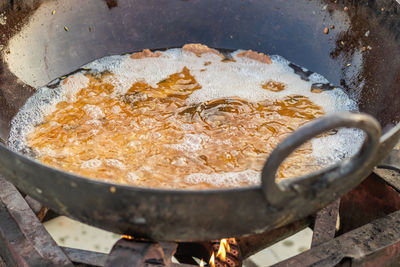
[[226, 252]]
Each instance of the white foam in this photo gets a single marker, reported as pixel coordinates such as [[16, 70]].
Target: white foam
[[42, 103], [191, 142], [227, 179], [116, 109], [54, 123], [93, 111], [115, 163], [93, 122], [73, 85], [220, 80], [180, 161], [46, 151], [334, 148], [132, 177], [91, 164], [242, 78]]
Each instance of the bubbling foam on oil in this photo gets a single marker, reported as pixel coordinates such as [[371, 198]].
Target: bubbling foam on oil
[[241, 78], [40, 104]]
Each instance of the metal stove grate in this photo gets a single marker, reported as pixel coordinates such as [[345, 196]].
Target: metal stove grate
[[369, 233]]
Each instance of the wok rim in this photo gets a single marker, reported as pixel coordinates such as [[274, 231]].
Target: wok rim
[[125, 186], [71, 175]]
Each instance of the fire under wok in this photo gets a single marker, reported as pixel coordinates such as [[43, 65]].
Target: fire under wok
[[43, 40]]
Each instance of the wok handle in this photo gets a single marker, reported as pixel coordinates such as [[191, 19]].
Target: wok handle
[[278, 194]]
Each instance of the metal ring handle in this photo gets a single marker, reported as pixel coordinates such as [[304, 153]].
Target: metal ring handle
[[278, 194]]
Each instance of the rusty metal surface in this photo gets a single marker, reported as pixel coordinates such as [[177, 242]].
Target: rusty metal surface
[[137, 253], [386, 257], [391, 177], [392, 161], [389, 168], [37, 207], [325, 224], [169, 249], [15, 249], [90, 258], [353, 246], [33, 204], [24, 239], [252, 244], [372, 199]]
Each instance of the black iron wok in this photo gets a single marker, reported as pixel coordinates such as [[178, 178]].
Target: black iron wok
[[38, 46]]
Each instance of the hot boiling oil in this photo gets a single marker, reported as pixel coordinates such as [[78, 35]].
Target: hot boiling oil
[[151, 136]]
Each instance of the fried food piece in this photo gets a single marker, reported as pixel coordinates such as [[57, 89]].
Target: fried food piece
[[200, 49], [263, 58], [145, 53]]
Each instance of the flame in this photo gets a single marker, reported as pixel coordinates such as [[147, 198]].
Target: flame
[[223, 248], [201, 263], [212, 260], [127, 237]]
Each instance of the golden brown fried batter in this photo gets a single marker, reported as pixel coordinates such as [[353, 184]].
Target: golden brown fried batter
[[145, 53], [200, 49], [263, 58]]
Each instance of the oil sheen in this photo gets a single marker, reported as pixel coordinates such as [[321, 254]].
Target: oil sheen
[[178, 119]]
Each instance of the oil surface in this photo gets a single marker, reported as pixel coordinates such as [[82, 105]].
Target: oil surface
[[188, 118], [151, 136]]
